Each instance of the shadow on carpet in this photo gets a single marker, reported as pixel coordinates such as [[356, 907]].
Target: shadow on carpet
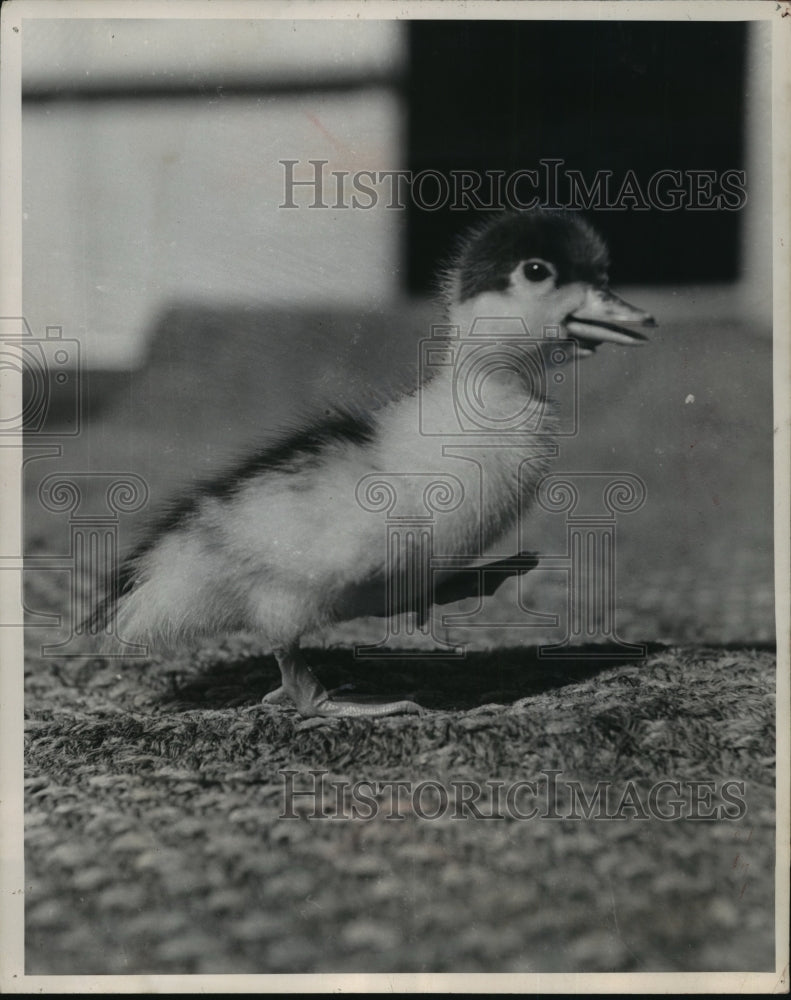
[[453, 684]]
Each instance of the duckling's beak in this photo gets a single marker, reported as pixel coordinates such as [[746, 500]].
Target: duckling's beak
[[598, 318]]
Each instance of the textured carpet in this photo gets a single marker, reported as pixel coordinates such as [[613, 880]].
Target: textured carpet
[[155, 842]]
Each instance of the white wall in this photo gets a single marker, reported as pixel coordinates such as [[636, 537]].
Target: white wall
[[130, 204]]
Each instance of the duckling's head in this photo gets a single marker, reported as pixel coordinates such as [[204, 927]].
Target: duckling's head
[[550, 269]]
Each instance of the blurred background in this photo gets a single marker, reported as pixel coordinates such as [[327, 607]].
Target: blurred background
[[152, 154], [208, 316]]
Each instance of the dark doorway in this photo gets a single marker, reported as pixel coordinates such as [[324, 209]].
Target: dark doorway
[[597, 96]]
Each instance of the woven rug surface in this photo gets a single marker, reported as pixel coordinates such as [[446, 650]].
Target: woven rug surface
[[165, 828], [156, 843]]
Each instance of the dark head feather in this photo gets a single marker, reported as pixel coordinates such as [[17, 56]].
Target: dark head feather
[[486, 258]]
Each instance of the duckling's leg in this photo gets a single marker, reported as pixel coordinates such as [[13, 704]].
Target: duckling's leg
[[311, 698], [483, 581]]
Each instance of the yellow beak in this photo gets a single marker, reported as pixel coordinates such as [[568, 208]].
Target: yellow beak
[[598, 318]]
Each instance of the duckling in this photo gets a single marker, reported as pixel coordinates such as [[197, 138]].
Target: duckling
[[281, 547]]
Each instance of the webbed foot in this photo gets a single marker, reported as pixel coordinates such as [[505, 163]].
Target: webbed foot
[[301, 687]]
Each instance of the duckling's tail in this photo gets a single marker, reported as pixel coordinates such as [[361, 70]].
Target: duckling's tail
[[101, 622]]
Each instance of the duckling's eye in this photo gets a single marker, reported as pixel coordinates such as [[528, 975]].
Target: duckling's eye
[[537, 270]]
